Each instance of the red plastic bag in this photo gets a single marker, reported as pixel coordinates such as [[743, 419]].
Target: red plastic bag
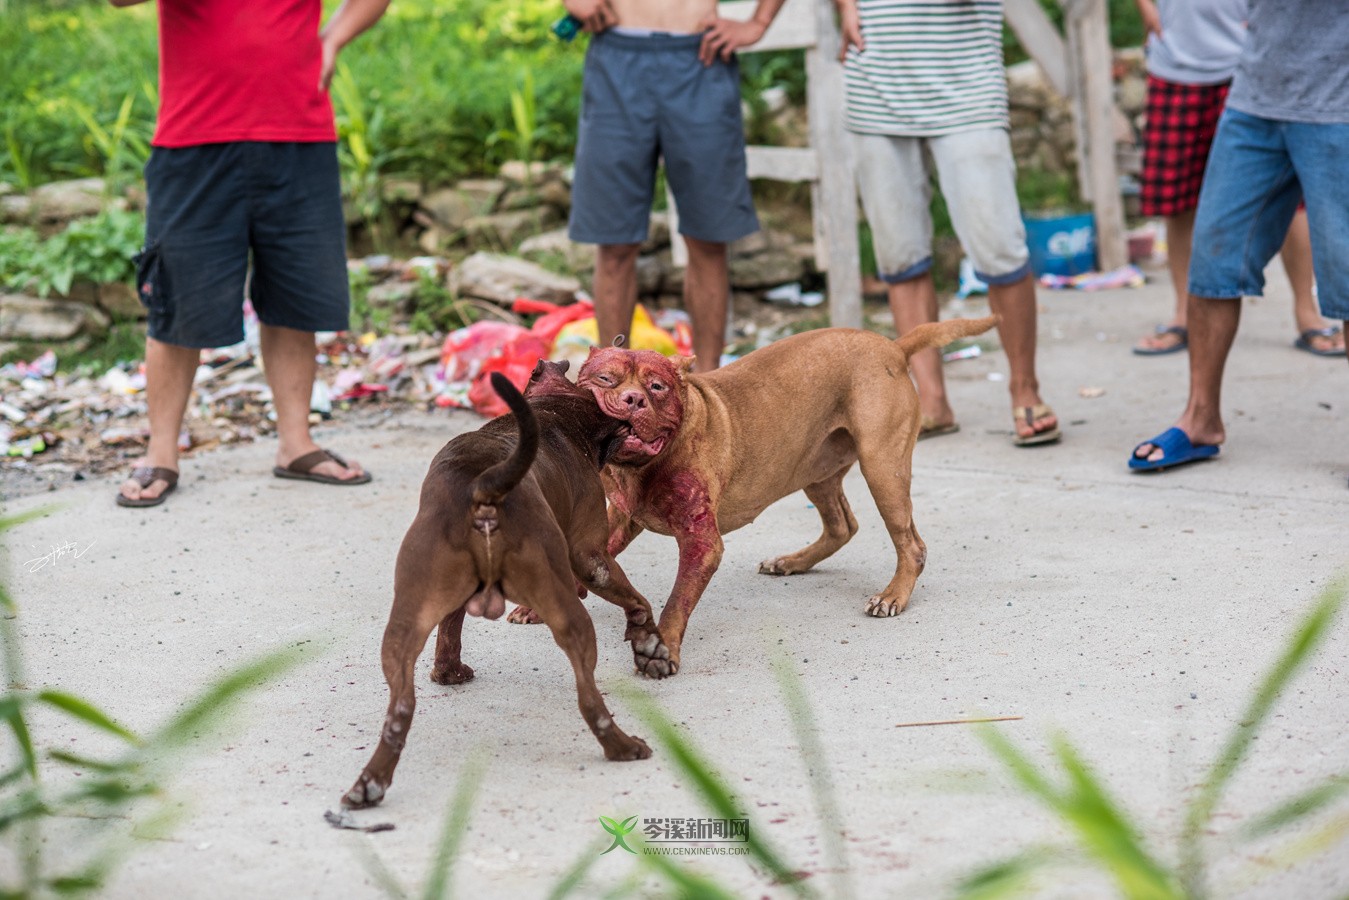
[[473, 353], [554, 317]]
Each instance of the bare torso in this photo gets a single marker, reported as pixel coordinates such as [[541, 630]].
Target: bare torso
[[677, 16]]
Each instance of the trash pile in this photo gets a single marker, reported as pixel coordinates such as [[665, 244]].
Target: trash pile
[[94, 422]]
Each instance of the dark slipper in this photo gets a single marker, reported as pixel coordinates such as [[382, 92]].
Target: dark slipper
[[302, 469], [1177, 450], [1304, 341], [146, 476], [928, 428], [1179, 331]]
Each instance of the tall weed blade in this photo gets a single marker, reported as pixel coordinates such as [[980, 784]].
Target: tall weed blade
[[1298, 807], [688, 885], [437, 885], [1107, 835], [806, 731], [715, 794], [1009, 878], [218, 699], [86, 712], [1305, 640]]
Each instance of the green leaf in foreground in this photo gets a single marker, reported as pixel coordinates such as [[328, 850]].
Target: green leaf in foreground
[[85, 711], [715, 794]]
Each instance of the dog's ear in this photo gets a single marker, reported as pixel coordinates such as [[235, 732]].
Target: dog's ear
[[563, 365], [684, 365], [538, 371], [591, 353]]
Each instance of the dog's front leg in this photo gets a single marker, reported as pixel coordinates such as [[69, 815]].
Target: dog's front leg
[[700, 550], [622, 529]]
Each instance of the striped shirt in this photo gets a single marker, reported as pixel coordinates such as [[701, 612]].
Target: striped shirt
[[930, 68]]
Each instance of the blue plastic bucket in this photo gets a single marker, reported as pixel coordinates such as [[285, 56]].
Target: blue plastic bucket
[[1061, 245]]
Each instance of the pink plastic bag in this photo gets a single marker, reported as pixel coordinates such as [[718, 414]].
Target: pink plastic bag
[[471, 354]]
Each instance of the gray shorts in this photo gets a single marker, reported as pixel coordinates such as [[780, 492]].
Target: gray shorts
[[978, 180], [649, 97]]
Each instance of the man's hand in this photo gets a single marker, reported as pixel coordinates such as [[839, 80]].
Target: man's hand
[[595, 15], [723, 37], [850, 27], [1152, 19], [351, 18]]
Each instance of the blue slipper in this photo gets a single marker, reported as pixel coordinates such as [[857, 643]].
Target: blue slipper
[[1182, 341], [1176, 451]]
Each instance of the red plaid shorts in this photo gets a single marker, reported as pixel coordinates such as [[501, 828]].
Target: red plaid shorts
[[1181, 122]]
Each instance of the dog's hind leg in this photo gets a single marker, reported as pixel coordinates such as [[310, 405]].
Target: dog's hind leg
[[556, 601], [839, 527], [448, 667], [426, 592], [886, 469]]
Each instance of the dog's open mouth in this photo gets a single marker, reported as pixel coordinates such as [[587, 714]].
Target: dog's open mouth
[[633, 445]]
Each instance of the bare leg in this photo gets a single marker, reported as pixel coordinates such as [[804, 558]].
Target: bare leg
[[1213, 328], [1179, 241], [615, 289], [1297, 262], [1016, 304], [168, 385], [288, 357], [914, 303], [707, 288]]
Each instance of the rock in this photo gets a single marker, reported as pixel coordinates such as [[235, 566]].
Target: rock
[[657, 234], [556, 194], [118, 299], [16, 209], [805, 252], [516, 172], [946, 254], [1131, 93], [751, 244], [499, 278], [1027, 85], [401, 190], [451, 208], [507, 229], [394, 294], [650, 275], [579, 257], [519, 198], [61, 201], [673, 283], [80, 292], [767, 269], [33, 319], [433, 240]]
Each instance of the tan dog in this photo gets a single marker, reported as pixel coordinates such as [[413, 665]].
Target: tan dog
[[709, 452], [513, 510]]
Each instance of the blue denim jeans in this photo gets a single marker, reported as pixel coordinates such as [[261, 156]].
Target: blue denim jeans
[[1258, 172]]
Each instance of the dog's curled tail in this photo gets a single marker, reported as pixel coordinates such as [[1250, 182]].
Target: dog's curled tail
[[939, 334], [497, 482]]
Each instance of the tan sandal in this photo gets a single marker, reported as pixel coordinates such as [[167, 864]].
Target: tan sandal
[[928, 428], [1030, 415]]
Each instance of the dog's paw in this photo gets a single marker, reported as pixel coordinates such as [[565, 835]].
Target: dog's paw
[[455, 673], [882, 607], [652, 657], [365, 792], [626, 751], [523, 615], [782, 565]]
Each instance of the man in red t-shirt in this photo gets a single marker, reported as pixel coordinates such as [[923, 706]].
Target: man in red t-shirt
[[244, 196]]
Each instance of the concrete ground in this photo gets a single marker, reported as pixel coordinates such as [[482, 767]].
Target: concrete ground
[[1131, 613]]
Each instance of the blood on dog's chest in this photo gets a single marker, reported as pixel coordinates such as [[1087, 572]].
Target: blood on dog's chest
[[678, 500]]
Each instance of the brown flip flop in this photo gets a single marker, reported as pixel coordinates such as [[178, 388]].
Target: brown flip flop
[[302, 469], [146, 476], [928, 428], [1029, 414]]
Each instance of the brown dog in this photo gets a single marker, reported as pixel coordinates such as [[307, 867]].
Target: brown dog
[[709, 452], [513, 510]]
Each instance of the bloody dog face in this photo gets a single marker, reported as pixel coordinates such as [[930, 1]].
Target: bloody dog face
[[640, 387]]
